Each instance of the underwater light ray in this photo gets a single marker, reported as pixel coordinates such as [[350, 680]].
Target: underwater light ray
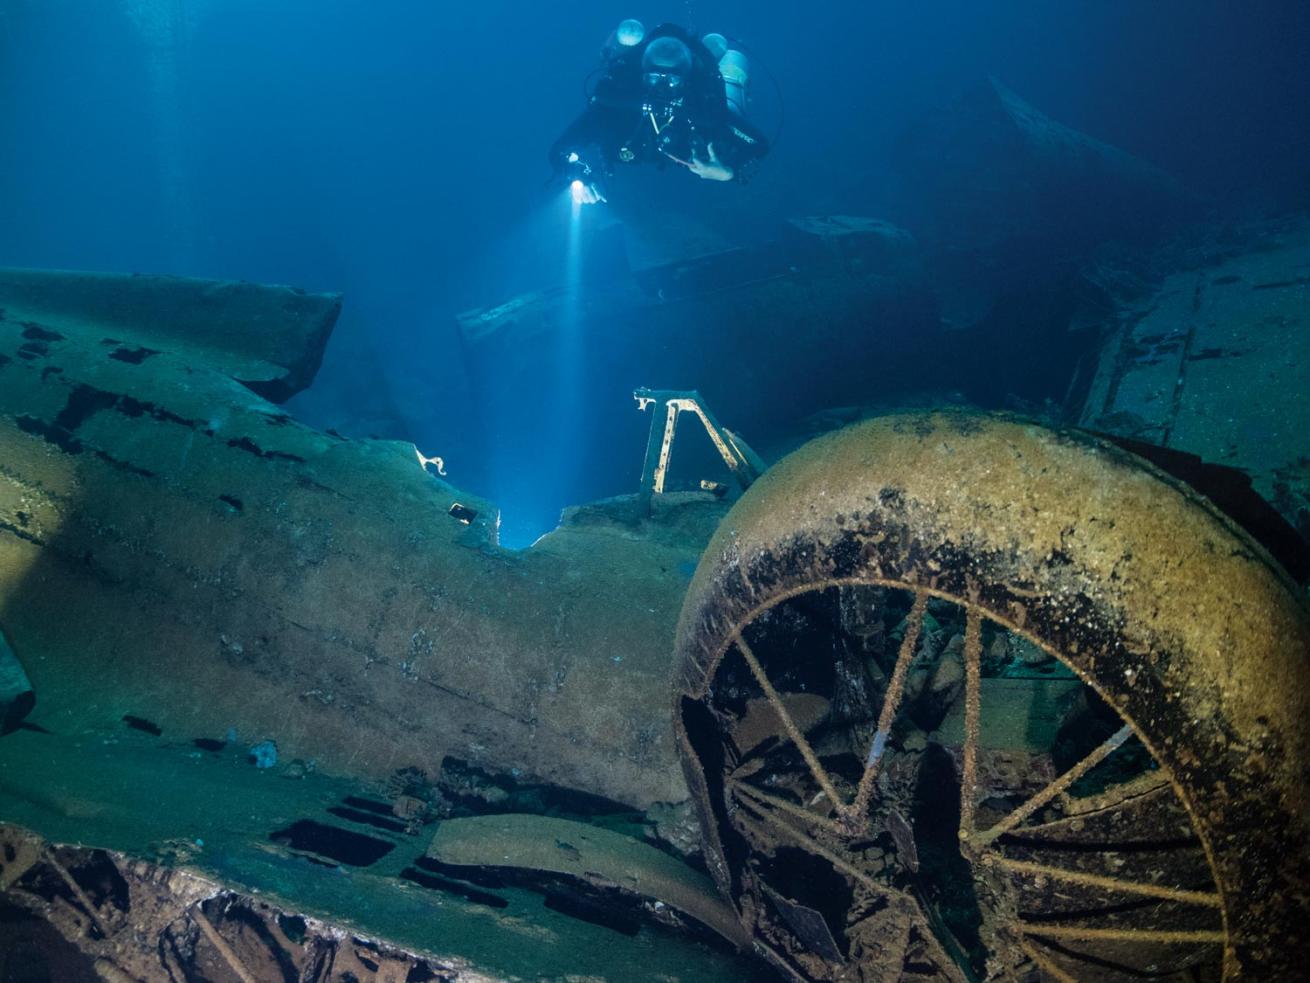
[[539, 250], [528, 495], [569, 345]]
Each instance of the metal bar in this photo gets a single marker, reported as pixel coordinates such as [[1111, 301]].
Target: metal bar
[[666, 445], [731, 457], [1048, 793], [972, 715], [1045, 964], [782, 805], [654, 439], [811, 759], [225, 950], [890, 704], [1206, 898], [1073, 933], [78, 893], [809, 843]]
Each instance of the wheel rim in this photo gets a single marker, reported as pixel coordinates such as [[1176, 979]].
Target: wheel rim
[[1148, 903], [1112, 921]]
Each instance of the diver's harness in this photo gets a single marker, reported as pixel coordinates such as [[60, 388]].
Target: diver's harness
[[662, 118]]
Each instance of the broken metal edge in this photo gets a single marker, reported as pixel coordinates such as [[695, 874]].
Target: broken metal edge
[[521, 845], [270, 338], [123, 949]]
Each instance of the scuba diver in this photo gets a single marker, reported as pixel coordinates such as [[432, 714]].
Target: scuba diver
[[664, 96]]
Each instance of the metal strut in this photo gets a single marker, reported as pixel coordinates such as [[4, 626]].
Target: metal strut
[[743, 462]]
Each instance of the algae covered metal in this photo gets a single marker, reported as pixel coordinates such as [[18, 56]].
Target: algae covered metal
[[957, 696], [174, 546], [1159, 823]]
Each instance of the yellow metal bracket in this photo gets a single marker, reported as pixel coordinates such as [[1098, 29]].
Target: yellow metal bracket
[[668, 406]]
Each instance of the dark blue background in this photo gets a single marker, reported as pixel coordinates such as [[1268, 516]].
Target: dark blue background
[[395, 149]]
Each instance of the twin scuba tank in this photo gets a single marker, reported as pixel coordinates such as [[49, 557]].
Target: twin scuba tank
[[734, 68]]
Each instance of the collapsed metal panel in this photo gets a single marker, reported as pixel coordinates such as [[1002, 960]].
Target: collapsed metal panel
[[1011, 199], [269, 338], [173, 546], [990, 167], [1214, 361], [79, 914]]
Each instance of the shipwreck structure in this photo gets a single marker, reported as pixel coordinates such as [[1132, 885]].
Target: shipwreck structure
[[965, 695], [168, 532], [943, 695], [956, 696]]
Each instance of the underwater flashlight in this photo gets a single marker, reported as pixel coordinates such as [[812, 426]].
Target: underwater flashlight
[[585, 194]]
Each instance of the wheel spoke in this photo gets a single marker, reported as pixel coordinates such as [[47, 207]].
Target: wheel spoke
[[813, 805], [1074, 933], [811, 759], [810, 844], [1207, 898], [972, 712], [1045, 964], [1134, 791], [782, 805], [890, 704], [1102, 751]]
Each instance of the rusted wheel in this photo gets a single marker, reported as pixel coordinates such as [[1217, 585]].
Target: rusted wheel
[[960, 697]]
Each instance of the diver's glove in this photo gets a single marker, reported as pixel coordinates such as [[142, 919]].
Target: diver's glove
[[711, 170]]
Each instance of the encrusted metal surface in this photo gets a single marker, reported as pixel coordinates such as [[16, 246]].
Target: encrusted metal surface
[[77, 914], [270, 338], [174, 547], [1177, 620]]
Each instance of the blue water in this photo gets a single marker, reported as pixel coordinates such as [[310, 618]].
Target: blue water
[[395, 150]]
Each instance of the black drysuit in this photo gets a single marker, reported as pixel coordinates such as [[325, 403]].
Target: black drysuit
[[626, 123]]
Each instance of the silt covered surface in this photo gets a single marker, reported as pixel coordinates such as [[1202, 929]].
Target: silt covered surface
[[173, 546]]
